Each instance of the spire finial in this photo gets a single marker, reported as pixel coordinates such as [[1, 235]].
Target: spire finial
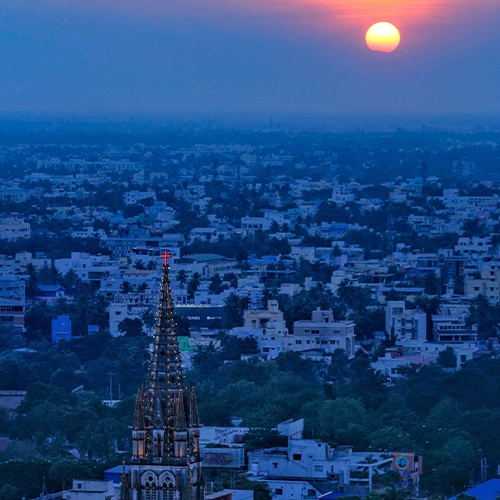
[[165, 256]]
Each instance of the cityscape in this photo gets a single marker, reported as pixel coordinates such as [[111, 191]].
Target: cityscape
[[250, 250]]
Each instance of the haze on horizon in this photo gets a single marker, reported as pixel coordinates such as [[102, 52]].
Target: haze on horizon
[[253, 56]]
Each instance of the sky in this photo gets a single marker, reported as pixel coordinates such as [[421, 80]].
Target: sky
[[248, 56]]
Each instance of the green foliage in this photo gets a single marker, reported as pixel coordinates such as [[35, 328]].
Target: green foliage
[[234, 307], [447, 358], [263, 438], [8, 492], [131, 327]]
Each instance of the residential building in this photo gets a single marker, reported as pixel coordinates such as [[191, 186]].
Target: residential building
[[323, 333], [407, 324], [12, 228], [450, 325], [85, 489]]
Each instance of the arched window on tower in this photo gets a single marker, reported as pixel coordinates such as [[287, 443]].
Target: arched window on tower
[[150, 489], [168, 490]]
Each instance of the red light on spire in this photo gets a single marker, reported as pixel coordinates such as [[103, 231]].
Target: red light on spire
[[165, 256]]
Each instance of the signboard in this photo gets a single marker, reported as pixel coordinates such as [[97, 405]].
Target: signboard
[[228, 458]]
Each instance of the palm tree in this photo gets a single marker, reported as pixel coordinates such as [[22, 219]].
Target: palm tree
[[431, 306], [393, 493], [182, 277], [148, 318], [87, 441], [194, 284], [126, 287]]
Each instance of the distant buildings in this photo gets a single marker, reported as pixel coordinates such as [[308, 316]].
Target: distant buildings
[[322, 333], [12, 228]]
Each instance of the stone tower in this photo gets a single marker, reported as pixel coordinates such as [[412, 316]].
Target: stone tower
[[166, 462]]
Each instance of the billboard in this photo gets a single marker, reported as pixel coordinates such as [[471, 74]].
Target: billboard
[[229, 458]]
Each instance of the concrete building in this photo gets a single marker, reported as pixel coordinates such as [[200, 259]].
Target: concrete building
[[322, 332], [311, 460], [450, 325], [207, 265], [12, 228], [84, 489], [267, 326], [12, 300], [488, 284], [408, 324]]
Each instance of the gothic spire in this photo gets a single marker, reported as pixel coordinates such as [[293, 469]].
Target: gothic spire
[[166, 368], [166, 423], [194, 417], [139, 411]]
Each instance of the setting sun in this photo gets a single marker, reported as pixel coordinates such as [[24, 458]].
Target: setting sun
[[383, 37]]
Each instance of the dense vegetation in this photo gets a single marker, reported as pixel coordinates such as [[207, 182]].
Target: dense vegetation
[[449, 418]]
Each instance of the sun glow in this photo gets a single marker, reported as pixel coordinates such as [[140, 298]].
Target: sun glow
[[383, 37]]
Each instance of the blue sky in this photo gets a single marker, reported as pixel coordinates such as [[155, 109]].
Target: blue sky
[[248, 55]]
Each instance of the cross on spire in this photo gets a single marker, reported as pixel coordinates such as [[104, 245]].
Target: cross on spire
[[165, 256]]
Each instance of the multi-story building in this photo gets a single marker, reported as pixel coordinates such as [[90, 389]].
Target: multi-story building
[[488, 284], [12, 228], [267, 326], [12, 300], [408, 324], [450, 325], [322, 333]]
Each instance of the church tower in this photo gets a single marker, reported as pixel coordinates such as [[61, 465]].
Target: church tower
[[166, 463]]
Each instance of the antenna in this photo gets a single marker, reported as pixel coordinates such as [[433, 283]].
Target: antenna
[[110, 387]]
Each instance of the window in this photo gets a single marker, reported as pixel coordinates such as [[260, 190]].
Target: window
[[297, 456], [318, 468], [463, 358], [275, 465], [278, 491], [79, 486], [298, 341]]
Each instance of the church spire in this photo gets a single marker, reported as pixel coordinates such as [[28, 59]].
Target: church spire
[[166, 423], [166, 365]]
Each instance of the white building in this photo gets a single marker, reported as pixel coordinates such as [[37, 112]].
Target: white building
[[84, 489], [408, 324], [12, 228], [322, 333], [267, 326], [311, 460], [341, 195], [133, 197], [449, 325]]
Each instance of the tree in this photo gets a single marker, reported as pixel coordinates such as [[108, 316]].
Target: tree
[[215, 284], [193, 285], [257, 438], [126, 287], [340, 417], [431, 306], [234, 306], [148, 318], [131, 327], [32, 283], [447, 358], [8, 492], [142, 287], [182, 277], [64, 471], [393, 493], [139, 265]]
